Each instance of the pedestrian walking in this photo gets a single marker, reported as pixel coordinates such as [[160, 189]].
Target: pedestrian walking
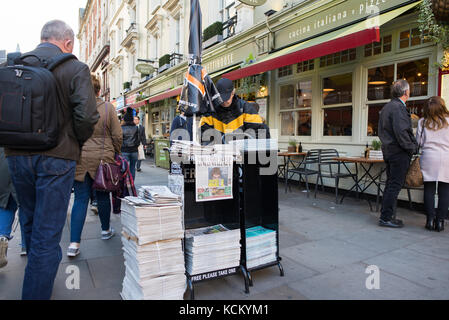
[[131, 141], [181, 127], [104, 143], [433, 137], [398, 146], [143, 142], [8, 208], [44, 178]]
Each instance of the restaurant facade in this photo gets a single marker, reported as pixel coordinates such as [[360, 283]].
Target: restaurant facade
[[321, 71]]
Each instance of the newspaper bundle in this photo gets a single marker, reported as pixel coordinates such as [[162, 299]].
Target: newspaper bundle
[[211, 248], [152, 246], [260, 246]]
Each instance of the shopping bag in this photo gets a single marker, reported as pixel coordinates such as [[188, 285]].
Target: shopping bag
[[141, 153], [414, 177]]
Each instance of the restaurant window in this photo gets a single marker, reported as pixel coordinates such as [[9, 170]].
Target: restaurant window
[[338, 58], [376, 48], [296, 112], [305, 66], [380, 80], [337, 105], [412, 37], [285, 71], [417, 75]]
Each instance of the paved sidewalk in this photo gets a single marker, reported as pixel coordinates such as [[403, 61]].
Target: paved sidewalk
[[325, 250]]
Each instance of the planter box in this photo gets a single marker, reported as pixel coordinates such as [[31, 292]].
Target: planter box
[[376, 154], [164, 67], [210, 42], [291, 149]]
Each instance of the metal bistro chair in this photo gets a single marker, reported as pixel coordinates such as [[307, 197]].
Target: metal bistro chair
[[311, 159], [326, 158]]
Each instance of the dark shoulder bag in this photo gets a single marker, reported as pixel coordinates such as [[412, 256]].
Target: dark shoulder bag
[[108, 175]]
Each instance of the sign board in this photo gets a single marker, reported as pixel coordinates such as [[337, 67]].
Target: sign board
[[120, 103], [213, 177], [145, 68], [445, 88], [332, 18], [262, 102], [253, 3]]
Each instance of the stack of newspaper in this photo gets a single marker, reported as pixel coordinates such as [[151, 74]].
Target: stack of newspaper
[[159, 195], [152, 247], [152, 223], [211, 248], [260, 246]]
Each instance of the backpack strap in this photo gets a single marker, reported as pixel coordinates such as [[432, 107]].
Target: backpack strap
[[49, 64]]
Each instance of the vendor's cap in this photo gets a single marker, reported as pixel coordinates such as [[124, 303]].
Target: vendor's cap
[[225, 88]]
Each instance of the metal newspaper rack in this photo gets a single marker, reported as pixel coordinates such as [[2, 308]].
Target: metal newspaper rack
[[254, 203]]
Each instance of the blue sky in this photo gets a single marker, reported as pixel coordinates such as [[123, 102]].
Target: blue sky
[[21, 21]]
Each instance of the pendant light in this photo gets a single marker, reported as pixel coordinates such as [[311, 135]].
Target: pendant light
[[378, 78]]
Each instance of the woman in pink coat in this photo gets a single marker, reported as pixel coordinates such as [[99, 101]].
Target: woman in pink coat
[[433, 136]]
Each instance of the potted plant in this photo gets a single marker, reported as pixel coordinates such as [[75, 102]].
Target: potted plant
[[291, 145], [376, 152], [433, 21], [164, 62], [213, 34]]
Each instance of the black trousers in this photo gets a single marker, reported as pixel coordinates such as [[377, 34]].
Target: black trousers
[[396, 168], [443, 199]]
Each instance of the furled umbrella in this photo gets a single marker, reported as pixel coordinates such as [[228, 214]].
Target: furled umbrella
[[199, 94]]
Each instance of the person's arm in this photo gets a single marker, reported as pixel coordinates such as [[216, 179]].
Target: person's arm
[[403, 131], [82, 99], [115, 129]]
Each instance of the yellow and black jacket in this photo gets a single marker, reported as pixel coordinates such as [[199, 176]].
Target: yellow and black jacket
[[240, 115]]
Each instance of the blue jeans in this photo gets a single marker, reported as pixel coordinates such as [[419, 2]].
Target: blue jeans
[[132, 158], [79, 210], [7, 219], [43, 187]]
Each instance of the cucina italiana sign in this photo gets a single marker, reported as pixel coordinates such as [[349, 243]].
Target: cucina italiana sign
[[253, 3], [334, 17]]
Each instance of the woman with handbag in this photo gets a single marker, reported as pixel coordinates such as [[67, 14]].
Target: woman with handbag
[[97, 153], [433, 136]]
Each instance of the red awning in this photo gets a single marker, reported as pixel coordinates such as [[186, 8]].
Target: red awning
[[165, 95], [332, 46], [139, 104]]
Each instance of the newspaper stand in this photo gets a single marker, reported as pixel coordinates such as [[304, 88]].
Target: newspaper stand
[[259, 204], [208, 213]]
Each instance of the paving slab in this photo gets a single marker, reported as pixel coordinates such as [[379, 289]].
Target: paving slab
[[107, 272], [327, 254], [283, 292], [417, 267], [349, 283]]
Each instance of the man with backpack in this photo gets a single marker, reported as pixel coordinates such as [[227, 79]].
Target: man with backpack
[[43, 129]]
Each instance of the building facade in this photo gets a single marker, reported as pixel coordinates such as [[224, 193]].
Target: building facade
[[320, 69]]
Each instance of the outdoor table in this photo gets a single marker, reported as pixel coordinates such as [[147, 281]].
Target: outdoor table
[[367, 165], [287, 160]]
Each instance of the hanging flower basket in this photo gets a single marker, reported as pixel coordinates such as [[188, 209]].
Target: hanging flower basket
[[440, 10]]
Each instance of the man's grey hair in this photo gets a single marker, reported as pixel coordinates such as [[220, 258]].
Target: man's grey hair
[[399, 88], [57, 30]]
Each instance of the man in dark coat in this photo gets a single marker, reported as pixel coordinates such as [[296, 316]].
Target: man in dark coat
[[43, 179], [398, 146]]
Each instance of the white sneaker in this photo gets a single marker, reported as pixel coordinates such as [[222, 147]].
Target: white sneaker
[[3, 251], [73, 251], [106, 235]]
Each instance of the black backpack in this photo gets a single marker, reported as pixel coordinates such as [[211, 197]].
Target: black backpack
[[30, 103]]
